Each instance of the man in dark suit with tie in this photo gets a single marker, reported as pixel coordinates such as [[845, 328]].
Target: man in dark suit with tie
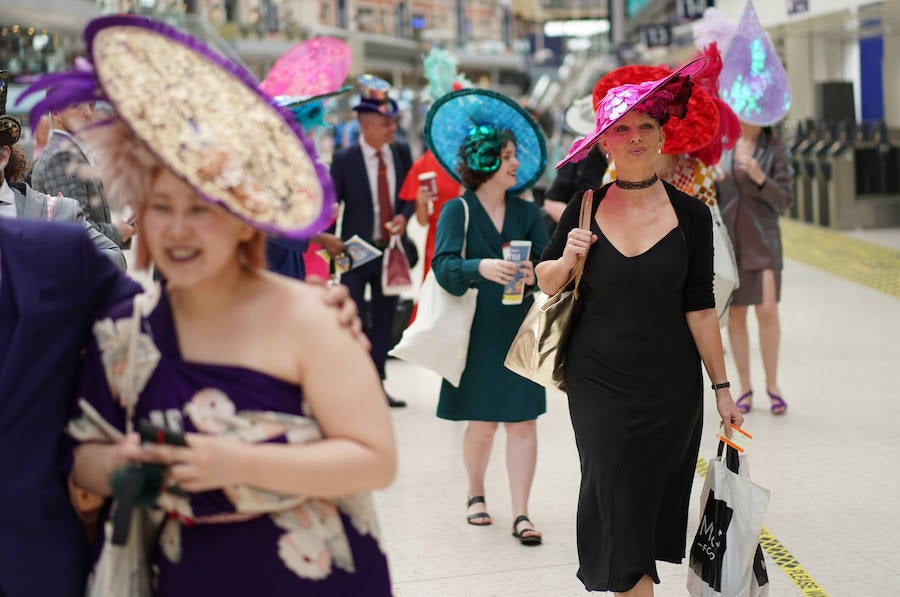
[[367, 176]]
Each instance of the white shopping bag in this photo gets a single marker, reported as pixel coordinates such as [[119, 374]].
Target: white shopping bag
[[725, 557]]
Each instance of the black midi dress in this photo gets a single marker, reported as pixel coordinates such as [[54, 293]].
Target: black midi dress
[[635, 391]]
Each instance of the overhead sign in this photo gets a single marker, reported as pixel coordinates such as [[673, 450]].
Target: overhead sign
[[658, 35], [691, 10], [797, 6]]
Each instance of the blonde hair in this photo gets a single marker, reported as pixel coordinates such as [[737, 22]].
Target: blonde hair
[[128, 169]]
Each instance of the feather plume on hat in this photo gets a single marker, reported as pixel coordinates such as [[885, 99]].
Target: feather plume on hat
[[714, 27], [440, 70]]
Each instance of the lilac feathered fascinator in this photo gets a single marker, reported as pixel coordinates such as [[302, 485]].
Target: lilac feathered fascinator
[[660, 99], [201, 116]]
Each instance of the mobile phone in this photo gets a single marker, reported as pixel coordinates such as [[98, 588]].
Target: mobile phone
[[155, 434]]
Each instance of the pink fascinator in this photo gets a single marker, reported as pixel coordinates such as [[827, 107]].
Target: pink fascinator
[[313, 67], [668, 96]]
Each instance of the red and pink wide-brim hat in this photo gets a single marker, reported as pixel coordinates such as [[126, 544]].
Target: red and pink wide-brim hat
[[620, 100]]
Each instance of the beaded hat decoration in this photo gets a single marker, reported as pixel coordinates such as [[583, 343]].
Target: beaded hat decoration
[[667, 96], [753, 81], [373, 96], [10, 127], [471, 123], [203, 117]]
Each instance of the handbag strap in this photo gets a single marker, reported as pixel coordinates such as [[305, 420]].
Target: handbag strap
[[465, 227], [584, 222]]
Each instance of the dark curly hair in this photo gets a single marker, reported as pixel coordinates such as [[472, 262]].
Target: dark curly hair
[[17, 166], [472, 179]]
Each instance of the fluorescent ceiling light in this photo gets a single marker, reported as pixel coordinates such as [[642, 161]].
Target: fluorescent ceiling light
[[576, 28]]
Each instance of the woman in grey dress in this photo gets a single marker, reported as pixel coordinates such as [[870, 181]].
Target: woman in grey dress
[[755, 191]]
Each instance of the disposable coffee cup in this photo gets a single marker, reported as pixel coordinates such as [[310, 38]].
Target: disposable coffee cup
[[429, 180]]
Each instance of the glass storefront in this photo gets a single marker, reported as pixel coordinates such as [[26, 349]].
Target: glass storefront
[[27, 49]]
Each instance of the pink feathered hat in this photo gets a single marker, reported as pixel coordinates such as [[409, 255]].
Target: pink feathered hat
[[673, 90]]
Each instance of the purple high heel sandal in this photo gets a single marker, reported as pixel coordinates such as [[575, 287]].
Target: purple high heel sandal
[[744, 402], [779, 406]]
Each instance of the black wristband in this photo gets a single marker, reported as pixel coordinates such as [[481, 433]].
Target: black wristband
[[721, 386]]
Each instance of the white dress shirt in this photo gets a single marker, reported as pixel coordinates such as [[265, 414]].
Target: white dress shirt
[[7, 201], [371, 159]]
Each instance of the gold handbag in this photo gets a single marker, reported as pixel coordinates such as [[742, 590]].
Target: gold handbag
[[538, 350]]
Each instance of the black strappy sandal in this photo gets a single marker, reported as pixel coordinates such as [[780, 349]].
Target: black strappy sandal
[[521, 536], [478, 519]]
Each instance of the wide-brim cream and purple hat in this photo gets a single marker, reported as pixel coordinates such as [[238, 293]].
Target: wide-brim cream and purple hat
[[204, 118], [620, 100]]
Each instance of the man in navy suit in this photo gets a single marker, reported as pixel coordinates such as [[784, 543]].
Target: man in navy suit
[[53, 285], [367, 176]]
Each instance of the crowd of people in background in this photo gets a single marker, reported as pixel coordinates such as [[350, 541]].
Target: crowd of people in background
[[262, 450]]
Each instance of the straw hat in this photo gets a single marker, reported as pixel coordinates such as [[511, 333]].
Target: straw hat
[[203, 117]]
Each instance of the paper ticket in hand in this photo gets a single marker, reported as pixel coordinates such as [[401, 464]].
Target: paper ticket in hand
[[739, 440]]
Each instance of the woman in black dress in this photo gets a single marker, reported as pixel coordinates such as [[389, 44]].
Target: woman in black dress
[[647, 319]]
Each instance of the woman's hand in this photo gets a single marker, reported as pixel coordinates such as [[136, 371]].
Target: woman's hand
[[497, 270], [527, 269], [331, 243], [728, 411], [578, 242], [207, 462], [338, 297], [748, 164]]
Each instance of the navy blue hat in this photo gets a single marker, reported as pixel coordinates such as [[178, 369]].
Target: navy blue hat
[[373, 97]]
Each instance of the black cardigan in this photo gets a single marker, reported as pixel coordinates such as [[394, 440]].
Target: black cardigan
[[695, 223]]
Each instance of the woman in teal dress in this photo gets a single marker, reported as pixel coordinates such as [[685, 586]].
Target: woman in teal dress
[[488, 165]]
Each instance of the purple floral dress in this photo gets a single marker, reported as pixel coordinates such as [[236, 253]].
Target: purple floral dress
[[241, 540]]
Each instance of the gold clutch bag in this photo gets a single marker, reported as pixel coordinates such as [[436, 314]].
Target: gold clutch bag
[[538, 350]]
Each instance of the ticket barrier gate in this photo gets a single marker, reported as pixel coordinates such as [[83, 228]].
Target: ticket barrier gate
[[862, 183]]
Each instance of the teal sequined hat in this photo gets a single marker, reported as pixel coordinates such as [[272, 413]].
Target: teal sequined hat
[[474, 119]]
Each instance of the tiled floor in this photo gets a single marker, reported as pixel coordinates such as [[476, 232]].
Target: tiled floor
[[831, 464]]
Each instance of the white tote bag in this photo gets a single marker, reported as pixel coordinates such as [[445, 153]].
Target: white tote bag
[[438, 339], [725, 279], [725, 557]]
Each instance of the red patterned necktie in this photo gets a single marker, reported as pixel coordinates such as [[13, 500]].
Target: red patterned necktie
[[384, 196]]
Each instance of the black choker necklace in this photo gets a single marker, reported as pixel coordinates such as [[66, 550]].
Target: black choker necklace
[[632, 186]]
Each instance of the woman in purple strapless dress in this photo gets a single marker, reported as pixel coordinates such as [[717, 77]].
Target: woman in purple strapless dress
[[286, 425]]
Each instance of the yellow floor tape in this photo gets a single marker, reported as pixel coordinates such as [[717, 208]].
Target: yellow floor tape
[[863, 262], [779, 553]]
